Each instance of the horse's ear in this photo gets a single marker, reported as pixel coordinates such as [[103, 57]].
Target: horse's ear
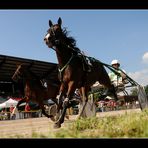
[[50, 23], [60, 21]]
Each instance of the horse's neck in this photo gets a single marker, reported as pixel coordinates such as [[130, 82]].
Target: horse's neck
[[62, 56]]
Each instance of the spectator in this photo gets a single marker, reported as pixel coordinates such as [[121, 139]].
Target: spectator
[[27, 110], [12, 115], [11, 108]]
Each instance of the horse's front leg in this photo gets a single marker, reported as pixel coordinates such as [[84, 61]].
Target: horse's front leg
[[60, 99], [65, 104], [62, 113]]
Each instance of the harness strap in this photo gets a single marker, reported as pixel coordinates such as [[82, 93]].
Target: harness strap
[[84, 60], [62, 69]]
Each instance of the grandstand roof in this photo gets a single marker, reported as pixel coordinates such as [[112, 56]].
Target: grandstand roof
[[40, 68]]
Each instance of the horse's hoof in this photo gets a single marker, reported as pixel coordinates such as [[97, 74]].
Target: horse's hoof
[[50, 116], [56, 125], [67, 117], [52, 119]]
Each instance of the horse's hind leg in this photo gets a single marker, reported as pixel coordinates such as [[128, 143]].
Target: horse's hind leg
[[109, 92], [59, 98], [83, 104], [112, 91]]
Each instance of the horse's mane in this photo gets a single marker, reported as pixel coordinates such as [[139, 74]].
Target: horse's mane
[[68, 39]]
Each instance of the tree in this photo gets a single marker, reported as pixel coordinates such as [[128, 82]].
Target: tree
[[134, 92]]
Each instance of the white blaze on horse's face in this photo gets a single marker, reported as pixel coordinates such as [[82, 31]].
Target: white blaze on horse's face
[[47, 36]]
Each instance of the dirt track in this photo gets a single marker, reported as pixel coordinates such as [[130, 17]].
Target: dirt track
[[27, 127], [43, 125]]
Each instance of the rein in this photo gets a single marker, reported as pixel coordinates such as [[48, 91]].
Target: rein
[[134, 83]]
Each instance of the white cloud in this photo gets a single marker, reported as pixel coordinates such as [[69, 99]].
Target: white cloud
[[145, 58], [141, 77]]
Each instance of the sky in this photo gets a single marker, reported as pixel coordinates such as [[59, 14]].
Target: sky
[[104, 34]]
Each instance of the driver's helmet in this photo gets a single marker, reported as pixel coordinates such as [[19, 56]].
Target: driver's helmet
[[115, 62]]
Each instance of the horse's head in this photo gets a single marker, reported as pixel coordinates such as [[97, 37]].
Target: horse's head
[[19, 72], [54, 33]]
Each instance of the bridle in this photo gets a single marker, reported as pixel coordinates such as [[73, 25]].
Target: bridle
[[54, 38]]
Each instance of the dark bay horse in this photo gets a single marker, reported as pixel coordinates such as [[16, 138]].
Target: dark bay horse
[[34, 89], [72, 68]]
